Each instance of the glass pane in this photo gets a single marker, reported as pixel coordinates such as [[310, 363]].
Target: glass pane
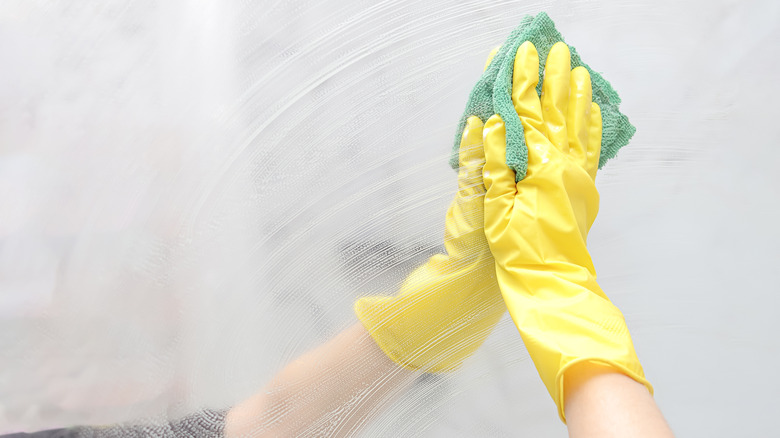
[[195, 194]]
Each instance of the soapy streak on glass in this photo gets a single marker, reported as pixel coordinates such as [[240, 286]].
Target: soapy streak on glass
[[195, 194]]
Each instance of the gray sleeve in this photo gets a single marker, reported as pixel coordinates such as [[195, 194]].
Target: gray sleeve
[[204, 424]]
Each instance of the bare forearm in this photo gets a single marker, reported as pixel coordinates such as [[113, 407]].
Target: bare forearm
[[600, 402], [332, 388]]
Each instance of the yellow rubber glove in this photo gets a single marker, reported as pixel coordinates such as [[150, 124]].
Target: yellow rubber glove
[[537, 228], [447, 307]]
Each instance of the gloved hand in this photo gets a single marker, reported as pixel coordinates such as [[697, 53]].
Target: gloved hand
[[447, 307], [537, 228]]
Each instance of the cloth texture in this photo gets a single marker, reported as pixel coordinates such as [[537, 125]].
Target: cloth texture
[[493, 95]]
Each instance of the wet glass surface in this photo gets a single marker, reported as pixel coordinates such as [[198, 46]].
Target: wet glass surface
[[193, 196]]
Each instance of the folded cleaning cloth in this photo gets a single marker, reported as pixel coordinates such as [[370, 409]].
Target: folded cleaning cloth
[[493, 95]]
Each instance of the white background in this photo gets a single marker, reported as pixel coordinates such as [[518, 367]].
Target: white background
[[193, 193]]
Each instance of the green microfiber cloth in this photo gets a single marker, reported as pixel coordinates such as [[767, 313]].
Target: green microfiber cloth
[[493, 95]]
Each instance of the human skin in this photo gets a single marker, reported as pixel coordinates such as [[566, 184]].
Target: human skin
[[341, 384], [600, 402], [334, 389]]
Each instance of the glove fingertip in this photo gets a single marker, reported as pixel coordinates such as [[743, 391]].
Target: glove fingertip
[[491, 56], [593, 152], [498, 177], [471, 142]]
